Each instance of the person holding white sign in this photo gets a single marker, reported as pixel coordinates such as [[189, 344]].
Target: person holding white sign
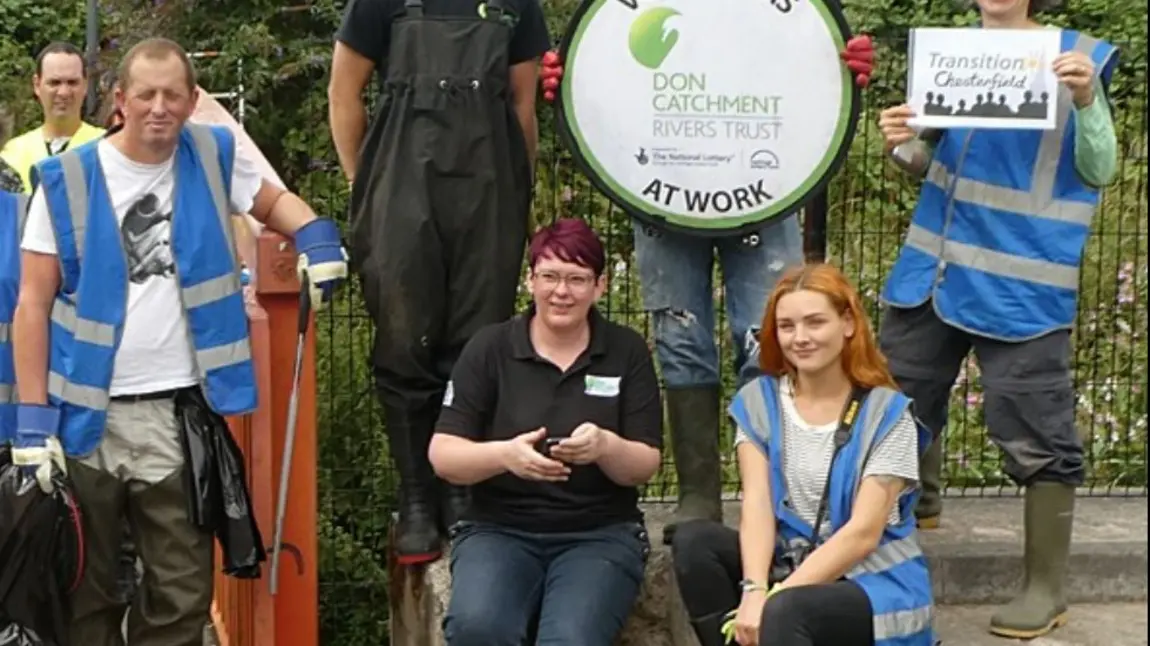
[[991, 263]]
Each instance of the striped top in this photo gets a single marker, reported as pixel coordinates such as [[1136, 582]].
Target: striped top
[[807, 452]]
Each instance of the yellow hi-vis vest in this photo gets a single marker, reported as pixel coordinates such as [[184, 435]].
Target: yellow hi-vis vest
[[24, 151]]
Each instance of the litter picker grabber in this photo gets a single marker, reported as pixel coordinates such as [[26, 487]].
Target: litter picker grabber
[[289, 440]]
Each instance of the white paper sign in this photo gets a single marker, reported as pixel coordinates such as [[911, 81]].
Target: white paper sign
[[710, 116], [983, 78]]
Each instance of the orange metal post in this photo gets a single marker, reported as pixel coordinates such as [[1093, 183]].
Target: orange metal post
[[245, 614]]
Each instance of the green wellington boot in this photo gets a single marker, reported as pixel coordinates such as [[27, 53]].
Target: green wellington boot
[[928, 512], [693, 414], [1041, 607]]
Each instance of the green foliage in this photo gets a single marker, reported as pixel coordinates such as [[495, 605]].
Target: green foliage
[[279, 55]]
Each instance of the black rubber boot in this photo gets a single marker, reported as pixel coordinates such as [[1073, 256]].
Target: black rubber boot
[[418, 538], [693, 414], [709, 629], [1041, 607]]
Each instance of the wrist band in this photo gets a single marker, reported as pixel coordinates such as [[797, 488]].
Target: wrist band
[[754, 586]]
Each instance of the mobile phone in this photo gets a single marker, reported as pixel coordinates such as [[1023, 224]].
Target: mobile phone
[[544, 445]]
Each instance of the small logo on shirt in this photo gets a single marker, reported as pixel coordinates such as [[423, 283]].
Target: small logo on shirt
[[597, 386], [449, 394]]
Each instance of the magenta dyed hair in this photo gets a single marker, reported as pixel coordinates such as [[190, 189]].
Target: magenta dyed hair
[[570, 240]]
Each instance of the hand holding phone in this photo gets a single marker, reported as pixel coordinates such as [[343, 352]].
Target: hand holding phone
[[522, 456]]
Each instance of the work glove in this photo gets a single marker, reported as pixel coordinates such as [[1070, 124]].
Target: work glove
[[551, 75], [37, 449], [859, 58], [322, 258]]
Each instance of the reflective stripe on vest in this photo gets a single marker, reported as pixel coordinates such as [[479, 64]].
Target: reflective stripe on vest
[[13, 213], [895, 575], [1002, 261], [87, 316]]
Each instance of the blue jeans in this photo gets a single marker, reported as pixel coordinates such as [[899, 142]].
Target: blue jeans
[[581, 586], [675, 272]]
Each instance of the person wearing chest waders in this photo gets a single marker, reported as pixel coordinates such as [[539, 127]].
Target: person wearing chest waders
[[991, 263], [441, 191]]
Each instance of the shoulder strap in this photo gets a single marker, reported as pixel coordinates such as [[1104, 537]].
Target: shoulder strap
[[842, 436], [215, 147], [750, 410], [63, 180]]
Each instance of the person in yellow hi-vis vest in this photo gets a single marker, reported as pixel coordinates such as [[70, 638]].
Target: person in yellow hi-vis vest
[[60, 83]]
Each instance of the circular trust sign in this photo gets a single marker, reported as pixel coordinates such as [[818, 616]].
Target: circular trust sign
[[707, 115]]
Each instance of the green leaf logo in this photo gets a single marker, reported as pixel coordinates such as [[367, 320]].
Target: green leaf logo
[[650, 40]]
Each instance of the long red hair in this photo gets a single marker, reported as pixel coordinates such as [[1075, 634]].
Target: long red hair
[[862, 362]]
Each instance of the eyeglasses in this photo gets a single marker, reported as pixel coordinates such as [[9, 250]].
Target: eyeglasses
[[575, 282]]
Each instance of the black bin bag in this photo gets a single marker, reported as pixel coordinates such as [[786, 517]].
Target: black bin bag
[[41, 556], [217, 486]]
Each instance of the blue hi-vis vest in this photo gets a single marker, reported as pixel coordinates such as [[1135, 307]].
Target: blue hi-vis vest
[[88, 314], [13, 210], [894, 576], [1001, 224]]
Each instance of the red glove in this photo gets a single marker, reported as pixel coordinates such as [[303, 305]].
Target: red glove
[[550, 75], [859, 58]]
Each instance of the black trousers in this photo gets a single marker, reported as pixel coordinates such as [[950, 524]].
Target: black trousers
[[708, 567]]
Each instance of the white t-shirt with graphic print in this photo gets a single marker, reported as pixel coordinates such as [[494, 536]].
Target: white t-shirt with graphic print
[[807, 452], [155, 350]]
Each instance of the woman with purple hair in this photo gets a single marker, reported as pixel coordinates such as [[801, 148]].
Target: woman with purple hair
[[554, 419]]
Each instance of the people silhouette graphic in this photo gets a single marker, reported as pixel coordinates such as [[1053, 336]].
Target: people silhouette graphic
[[989, 105], [935, 104]]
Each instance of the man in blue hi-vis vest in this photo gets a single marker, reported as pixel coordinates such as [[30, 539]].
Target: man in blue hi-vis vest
[[131, 297], [13, 207], [991, 263]]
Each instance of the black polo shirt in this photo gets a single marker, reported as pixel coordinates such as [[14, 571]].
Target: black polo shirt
[[501, 388]]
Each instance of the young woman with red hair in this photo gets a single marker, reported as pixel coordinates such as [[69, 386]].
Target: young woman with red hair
[[828, 451]]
